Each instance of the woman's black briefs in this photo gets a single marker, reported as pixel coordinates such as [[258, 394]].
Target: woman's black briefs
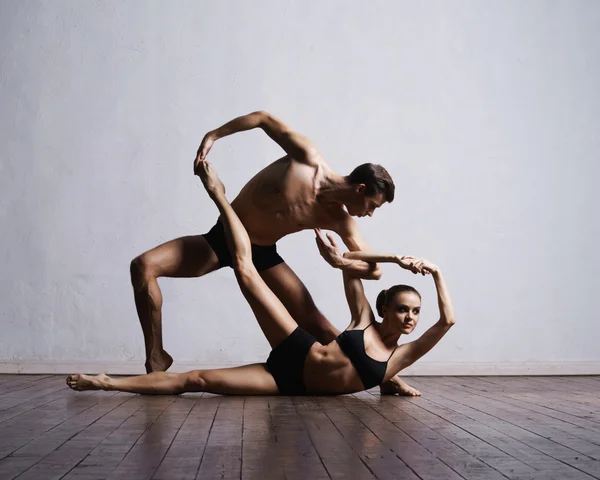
[[262, 257], [286, 362]]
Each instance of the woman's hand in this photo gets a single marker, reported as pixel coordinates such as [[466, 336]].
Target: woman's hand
[[417, 265], [203, 149], [210, 179], [328, 249]]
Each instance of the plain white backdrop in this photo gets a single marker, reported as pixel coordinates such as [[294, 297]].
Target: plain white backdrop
[[485, 113]]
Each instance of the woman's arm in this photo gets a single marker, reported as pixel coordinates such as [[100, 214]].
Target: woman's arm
[[409, 353], [360, 310], [405, 261]]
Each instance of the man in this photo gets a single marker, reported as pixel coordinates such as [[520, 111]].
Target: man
[[297, 192]]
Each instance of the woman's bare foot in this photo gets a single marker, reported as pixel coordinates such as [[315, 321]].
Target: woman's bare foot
[[397, 386], [159, 362], [81, 382]]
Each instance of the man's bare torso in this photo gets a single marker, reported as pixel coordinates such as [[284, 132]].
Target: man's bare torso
[[283, 198]]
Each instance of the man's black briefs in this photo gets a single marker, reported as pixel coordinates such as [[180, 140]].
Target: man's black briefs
[[262, 257]]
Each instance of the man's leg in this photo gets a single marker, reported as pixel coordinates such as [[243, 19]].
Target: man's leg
[[183, 257], [294, 295]]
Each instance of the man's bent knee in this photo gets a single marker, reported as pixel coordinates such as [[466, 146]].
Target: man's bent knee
[[139, 268]]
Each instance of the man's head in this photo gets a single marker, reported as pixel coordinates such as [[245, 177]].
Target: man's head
[[372, 186]]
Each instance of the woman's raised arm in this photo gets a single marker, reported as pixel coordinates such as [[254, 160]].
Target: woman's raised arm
[[409, 353]]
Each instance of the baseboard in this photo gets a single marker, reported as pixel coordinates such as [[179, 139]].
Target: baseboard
[[421, 368]]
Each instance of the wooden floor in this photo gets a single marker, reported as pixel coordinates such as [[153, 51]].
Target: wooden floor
[[462, 427]]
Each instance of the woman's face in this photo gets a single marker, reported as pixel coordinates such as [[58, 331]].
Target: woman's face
[[403, 312]]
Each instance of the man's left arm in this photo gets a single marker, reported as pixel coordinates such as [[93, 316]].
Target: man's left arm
[[352, 238]]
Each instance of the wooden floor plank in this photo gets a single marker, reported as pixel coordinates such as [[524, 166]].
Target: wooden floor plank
[[526, 454], [72, 451], [339, 459], [105, 457], [478, 409], [183, 458], [577, 438], [418, 458], [33, 443], [546, 390], [17, 382], [459, 460], [32, 392], [475, 446], [462, 428], [21, 430], [380, 459], [223, 453], [542, 404], [276, 443], [29, 391], [161, 426], [53, 393]]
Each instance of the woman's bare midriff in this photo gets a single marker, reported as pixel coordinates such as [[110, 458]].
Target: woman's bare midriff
[[328, 370]]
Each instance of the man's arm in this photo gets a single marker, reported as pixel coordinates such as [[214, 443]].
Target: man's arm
[[296, 145], [353, 239]]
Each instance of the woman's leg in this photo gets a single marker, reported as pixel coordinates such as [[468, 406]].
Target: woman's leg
[[246, 380], [274, 320]]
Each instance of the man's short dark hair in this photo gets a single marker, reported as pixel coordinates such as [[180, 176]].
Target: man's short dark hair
[[376, 180]]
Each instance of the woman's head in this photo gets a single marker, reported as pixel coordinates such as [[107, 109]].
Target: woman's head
[[400, 305]]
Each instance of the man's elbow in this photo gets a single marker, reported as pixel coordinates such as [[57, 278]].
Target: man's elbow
[[262, 116], [375, 272]]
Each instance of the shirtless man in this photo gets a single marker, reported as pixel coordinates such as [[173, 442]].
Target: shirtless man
[[297, 192]]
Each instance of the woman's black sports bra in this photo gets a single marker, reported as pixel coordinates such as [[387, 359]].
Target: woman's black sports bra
[[352, 343]]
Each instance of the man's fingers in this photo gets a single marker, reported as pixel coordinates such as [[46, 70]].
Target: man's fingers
[[330, 237]]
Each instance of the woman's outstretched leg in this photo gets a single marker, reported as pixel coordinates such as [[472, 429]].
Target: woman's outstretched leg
[[246, 380], [274, 320], [155, 383]]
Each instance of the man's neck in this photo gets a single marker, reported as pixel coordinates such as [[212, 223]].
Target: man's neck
[[334, 190]]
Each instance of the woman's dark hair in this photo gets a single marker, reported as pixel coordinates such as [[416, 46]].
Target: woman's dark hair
[[376, 180], [385, 297]]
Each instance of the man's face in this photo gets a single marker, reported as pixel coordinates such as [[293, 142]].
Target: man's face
[[362, 205]]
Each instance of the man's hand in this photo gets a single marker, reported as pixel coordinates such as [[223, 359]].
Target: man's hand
[[328, 249], [417, 265], [205, 146]]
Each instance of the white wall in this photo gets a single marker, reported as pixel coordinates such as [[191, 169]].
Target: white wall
[[486, 114]]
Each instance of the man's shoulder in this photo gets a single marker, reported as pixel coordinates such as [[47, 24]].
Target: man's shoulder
[[313, 159]]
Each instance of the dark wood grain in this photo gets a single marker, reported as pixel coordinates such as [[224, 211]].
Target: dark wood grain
[[462, 428]]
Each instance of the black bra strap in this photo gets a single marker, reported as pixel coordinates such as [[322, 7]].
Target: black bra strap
[[392, 353], [368, 326]]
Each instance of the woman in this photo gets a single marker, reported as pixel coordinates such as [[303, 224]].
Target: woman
[[363, 356]]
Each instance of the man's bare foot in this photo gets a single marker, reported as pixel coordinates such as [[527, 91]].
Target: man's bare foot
[[159, 362], [82, 382], [397, 386]]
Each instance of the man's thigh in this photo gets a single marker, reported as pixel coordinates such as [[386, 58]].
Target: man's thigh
[[185, 257], [298, 301]]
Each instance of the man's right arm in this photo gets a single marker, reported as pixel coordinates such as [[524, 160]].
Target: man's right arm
[[296, 145]]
